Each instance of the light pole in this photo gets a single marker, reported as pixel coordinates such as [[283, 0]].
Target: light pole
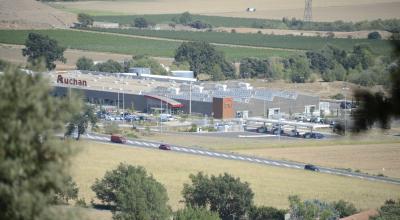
[[345, 106], [190, 99]]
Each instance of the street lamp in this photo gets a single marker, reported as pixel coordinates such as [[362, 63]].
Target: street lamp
[[345, 88]]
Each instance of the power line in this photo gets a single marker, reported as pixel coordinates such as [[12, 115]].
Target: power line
[[308, 11]]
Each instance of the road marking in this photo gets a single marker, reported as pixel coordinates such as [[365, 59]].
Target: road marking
[[201, 152], [234, 157], [153, 145], [298, 167], [193, 151], [258, 161], [184, 149], [209, 153], [241, 158], [278, 164], [129, 142], [249, 159], [104, 138], [146, 144], [137, 142], [217, 154], [286, 165], [177, 148], [224, 155], [267, 162]]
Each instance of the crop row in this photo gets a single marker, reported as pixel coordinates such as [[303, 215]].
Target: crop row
[[257, 40], [126, 45]]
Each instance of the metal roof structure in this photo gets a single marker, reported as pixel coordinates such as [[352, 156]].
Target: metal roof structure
[[171, 102]]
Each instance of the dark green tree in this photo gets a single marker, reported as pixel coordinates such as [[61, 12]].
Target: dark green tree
[[344, 208], [297, 68], [254, 67], [263, 212], [110, 66], [200, 25], [33, 160], [140, 22], [198, 213], [389, 211], [84, 63], [151, 63], [81, 121], [202, 57], [223, 194], [377, 107], [38, 47], [185, 18], [85, 19], [374, 35], [132, 194]]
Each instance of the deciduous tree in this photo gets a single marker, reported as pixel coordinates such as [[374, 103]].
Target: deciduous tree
[[38, 47]]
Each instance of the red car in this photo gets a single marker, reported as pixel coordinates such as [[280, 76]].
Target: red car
[[164, 147], [116, 138]]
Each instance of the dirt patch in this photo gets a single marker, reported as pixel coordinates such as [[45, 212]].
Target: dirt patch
[[30, 14], [13, 54], [273, 9]]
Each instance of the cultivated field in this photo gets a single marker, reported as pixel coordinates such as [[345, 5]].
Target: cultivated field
[[28, 14], [132, 45], [271, 185], [272, 9], [257, 40], [369, 153]]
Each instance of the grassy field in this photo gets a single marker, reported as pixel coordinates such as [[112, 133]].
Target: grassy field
[[215, 21], [258, 40], [126, 44], [271, 185], [369, 153]]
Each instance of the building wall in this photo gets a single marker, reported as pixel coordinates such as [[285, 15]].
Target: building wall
[[254, 107], [223, 108]]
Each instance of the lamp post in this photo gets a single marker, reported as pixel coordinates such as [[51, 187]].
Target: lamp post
[[345, 88]]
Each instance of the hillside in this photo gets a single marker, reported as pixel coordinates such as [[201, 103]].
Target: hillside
[[31, 14]]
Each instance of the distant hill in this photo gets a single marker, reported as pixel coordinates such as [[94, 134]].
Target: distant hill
[[31, 14]]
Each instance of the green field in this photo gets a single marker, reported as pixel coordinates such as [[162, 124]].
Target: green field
[[126, 44], [215, 21], [271, 185], [257, 40]]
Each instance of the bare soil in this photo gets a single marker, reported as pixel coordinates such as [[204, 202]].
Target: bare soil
[[31, 14], [354, 10]]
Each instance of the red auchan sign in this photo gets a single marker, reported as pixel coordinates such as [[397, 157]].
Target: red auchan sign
[[71, 81]]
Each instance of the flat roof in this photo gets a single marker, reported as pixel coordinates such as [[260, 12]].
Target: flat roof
[[171, 102]]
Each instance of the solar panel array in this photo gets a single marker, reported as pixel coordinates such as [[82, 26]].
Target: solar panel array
[[207, 92]]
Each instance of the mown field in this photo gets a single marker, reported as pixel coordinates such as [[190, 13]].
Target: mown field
[[258, 40], [271, 185], [127, 44], [369, 153]]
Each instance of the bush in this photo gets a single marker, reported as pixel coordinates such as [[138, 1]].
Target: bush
[[374, 35], [84, 63], [344, 208], [132, 194], [190, 213], [200, 25], [140, 23], [389, 211], [338, 96], [263, 212], [110, 66], [85, 19]]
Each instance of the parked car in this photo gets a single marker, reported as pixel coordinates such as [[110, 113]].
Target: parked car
[[116, 138], [311, 167], [276, 131], [312, 135], [164, 147], [262, 130], [294, 133]]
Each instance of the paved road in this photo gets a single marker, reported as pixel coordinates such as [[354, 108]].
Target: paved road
[[241, 157]]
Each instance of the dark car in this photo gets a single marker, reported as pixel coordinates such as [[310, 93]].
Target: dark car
[[312, 135], [311, 167], [116, 138], [262, 130], [276, 131], [164, 147]]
